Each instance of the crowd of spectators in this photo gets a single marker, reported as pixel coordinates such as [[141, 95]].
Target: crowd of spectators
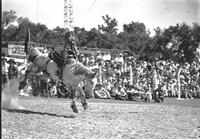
[[124, 77]]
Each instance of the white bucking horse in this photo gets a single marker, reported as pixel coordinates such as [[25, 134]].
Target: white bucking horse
[[74, 75]]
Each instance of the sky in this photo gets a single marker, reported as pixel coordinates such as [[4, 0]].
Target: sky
[[88, 13]]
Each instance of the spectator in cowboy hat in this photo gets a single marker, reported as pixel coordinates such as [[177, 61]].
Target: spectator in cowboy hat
[[12, 69], [70, 44]]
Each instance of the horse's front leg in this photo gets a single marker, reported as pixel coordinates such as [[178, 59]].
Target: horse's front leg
[[24, 82], [83, 99], [73, 104]]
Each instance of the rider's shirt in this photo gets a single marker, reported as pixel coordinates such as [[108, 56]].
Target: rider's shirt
[[72, 51], [70, 45]]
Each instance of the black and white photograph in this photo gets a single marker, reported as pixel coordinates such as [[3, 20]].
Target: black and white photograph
[[100, 69]]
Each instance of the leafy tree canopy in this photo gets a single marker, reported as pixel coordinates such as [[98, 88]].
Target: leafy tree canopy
[[8, 17], [177, 42]]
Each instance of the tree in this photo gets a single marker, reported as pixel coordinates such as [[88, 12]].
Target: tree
[[56, 35], [196, 34], [10, 33], [8, 17], [134, 37], [183, 40], [196, 39], [81, 34], [108, 39], [41, 31], [23, 24], [184, 43], [154, 49], [92, 38], [110, 26]]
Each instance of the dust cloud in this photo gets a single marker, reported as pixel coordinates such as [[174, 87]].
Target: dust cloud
[[9, 95]]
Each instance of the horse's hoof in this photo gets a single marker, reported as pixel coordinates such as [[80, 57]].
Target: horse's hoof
[[75, 110], [85, 106]]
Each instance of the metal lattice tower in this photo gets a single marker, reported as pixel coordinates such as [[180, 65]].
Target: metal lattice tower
[[68, 14]]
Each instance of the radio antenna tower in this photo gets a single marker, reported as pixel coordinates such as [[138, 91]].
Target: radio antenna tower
[[68, 15]]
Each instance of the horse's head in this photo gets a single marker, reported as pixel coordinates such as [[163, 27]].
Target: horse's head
[[77, 74], [89, 83]]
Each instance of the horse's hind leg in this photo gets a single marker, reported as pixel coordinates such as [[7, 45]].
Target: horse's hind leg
[[24, 82], [73, 104], [83, 99]]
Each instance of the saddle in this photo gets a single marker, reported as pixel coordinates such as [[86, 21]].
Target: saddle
[[57, 58], [60, 61]]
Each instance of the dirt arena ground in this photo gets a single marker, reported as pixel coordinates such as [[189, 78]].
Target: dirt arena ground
[[53, 118]]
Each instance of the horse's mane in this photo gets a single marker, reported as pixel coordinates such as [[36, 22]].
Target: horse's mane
[[33, 53]]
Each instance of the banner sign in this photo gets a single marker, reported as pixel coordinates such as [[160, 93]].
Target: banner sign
[[16, 51]]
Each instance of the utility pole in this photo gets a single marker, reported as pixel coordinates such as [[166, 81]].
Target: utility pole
[[68, 14]]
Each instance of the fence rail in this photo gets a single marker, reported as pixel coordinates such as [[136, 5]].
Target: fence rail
[[59, 46]]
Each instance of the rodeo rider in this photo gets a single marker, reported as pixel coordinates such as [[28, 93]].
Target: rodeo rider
[[68, 53]]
